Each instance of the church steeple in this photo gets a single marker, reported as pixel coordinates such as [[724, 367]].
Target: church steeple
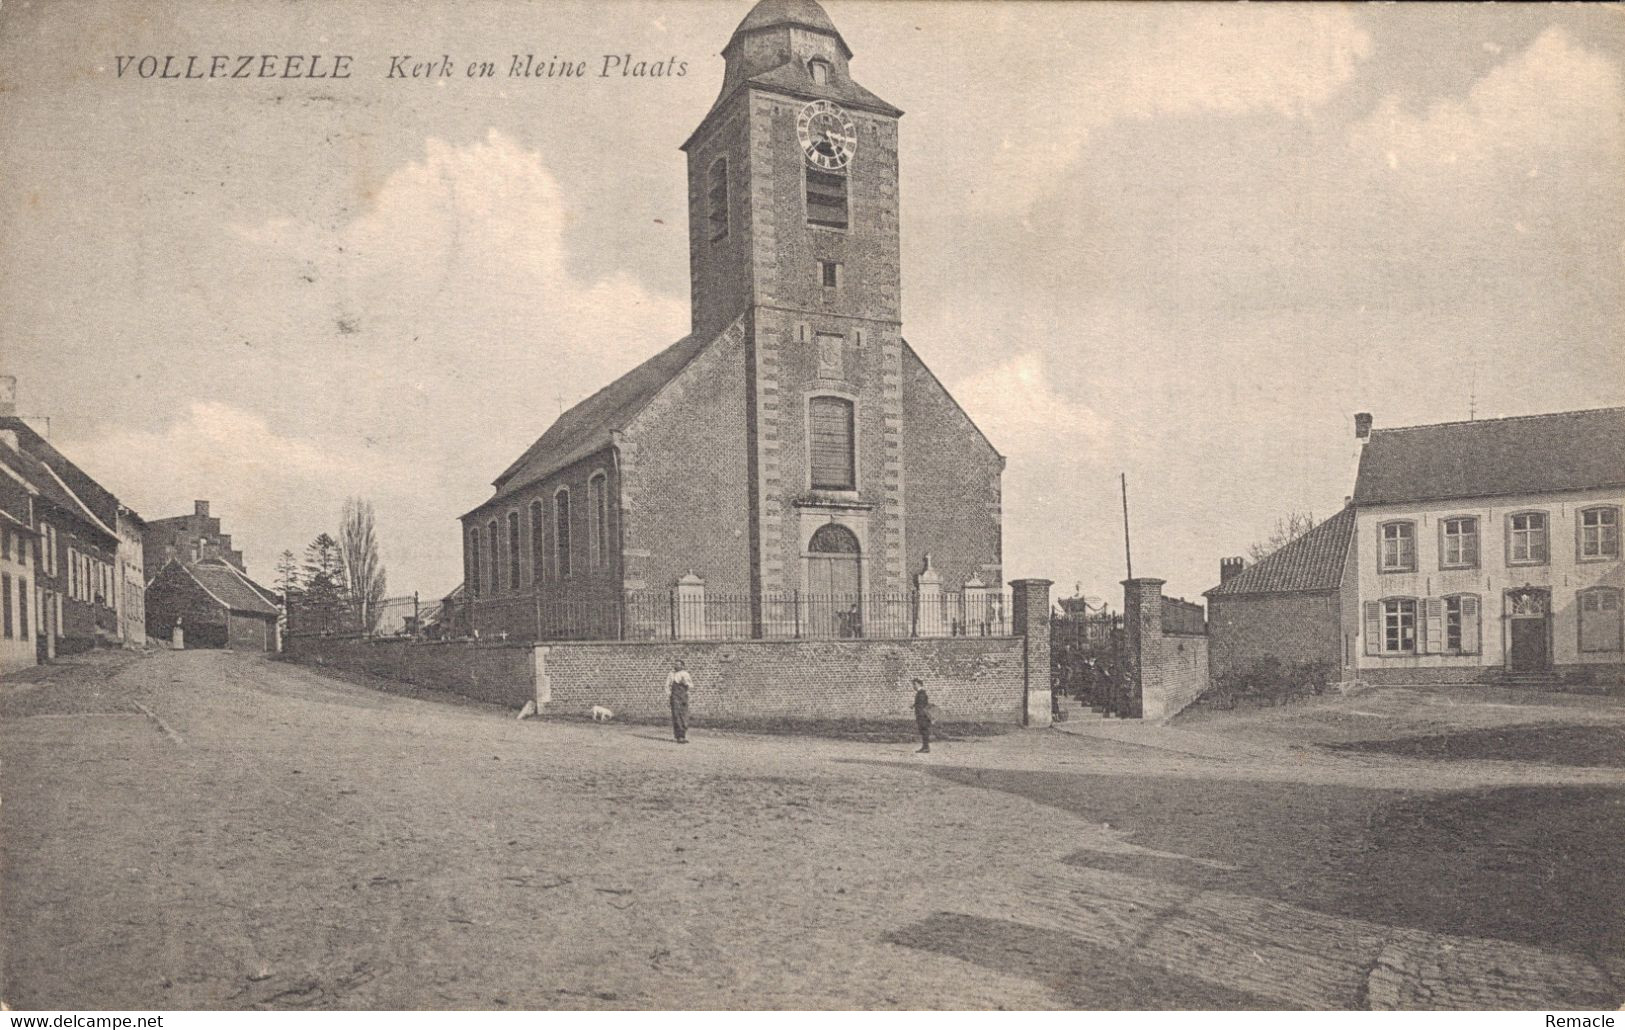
[[792, 177]]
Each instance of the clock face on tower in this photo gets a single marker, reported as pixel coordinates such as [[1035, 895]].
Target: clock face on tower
[[828, 137]]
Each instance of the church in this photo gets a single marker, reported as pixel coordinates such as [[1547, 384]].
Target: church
[[793, 445]]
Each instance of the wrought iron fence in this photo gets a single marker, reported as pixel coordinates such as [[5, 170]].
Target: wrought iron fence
[[336, 617], [687, 615]]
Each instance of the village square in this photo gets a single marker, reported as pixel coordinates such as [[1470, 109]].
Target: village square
[[953, 741]]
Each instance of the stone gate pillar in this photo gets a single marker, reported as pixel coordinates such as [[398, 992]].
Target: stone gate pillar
[[1142, 642], [1029, 599]]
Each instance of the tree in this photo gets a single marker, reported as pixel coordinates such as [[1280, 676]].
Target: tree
[[1286, 530], [287, 575], [364, 576], [322, 595]]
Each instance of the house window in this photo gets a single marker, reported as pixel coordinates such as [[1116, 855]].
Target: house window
[[832, 458], [22, 608], [5, 587], [1398, 552], [514, 552], [494, 538], [1600, 627], [1459, 543], [1526, 538], [1461, 632], [826, 199], [819, 70], [538, 540], [598, 503], [474, 563], [829, 274], [1599, 533], [716, 199], [1398, 626], [561, 533], [5, 543]]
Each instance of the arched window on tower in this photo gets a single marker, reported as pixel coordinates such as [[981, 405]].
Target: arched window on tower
[[716, 199], [474, 562], [831, 455]]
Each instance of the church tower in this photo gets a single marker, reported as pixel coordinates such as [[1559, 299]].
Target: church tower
[[793, 227]]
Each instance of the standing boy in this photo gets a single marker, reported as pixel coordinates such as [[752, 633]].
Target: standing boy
[[922, 715]]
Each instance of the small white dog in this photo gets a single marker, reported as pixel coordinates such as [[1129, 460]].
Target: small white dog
[[601, 714]]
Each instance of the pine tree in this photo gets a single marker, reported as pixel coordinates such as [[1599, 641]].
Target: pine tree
[[323, 607]]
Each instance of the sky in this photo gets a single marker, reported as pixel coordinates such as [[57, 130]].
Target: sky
[[1181, 243]]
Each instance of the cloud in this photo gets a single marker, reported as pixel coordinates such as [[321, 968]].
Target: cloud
[[404, 344], [1551, 99], [1222, 60], [1025, 416]]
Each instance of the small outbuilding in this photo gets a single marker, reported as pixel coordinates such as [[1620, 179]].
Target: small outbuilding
[[214, 605]]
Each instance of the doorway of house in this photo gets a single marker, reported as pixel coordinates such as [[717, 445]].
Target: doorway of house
[[1529, 648], [834, 602]]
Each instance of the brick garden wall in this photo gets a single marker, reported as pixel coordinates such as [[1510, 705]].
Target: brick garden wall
[[503, 674], [1166, 670], [969, 678]]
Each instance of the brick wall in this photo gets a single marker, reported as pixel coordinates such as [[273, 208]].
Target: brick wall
[[1298, 628], [951, 482], [1166, 671], [969, 678], [503, 674]]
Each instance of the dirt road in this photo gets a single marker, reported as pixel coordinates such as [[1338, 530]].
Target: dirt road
[[210, 830]]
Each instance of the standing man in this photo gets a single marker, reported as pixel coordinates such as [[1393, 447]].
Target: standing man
[[678, 685], [923, 710]]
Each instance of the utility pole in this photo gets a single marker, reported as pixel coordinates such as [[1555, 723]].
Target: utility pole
[[1128, 555]]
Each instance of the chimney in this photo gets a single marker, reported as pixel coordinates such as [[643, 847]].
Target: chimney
[[8, 395], [201, 508], [1229, 567], [1362, 426]]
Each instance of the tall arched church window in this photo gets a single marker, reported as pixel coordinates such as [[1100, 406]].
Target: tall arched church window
[[514, 550], [561, 533], [832, 457], [598, 512], [494, 539], [538, 541]]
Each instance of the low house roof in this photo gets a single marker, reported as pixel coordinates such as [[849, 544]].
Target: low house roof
[[1311, 563], [45, 483], [230, 587], [586, 428], [1529, 454], [89, 494]]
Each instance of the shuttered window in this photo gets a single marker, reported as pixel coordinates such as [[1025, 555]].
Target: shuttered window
[[1600, 626], [1390, 626], [833, 465], [1460, 624], [1432, 640], [826, 199]]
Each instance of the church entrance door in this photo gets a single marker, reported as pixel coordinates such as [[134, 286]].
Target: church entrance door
[[834, 601]]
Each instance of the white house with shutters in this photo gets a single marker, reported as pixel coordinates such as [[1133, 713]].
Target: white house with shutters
[[1490, 550]]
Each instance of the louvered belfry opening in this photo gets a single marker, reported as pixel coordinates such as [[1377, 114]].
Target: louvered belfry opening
[[826, 199]]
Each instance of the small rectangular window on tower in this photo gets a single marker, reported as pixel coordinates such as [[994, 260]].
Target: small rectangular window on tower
[[829, 273], [826, 199]]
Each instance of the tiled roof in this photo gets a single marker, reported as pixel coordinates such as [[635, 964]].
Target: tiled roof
[[97, 498], [585, 428], [1570, 450], [230, 588], [1313, 562]]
